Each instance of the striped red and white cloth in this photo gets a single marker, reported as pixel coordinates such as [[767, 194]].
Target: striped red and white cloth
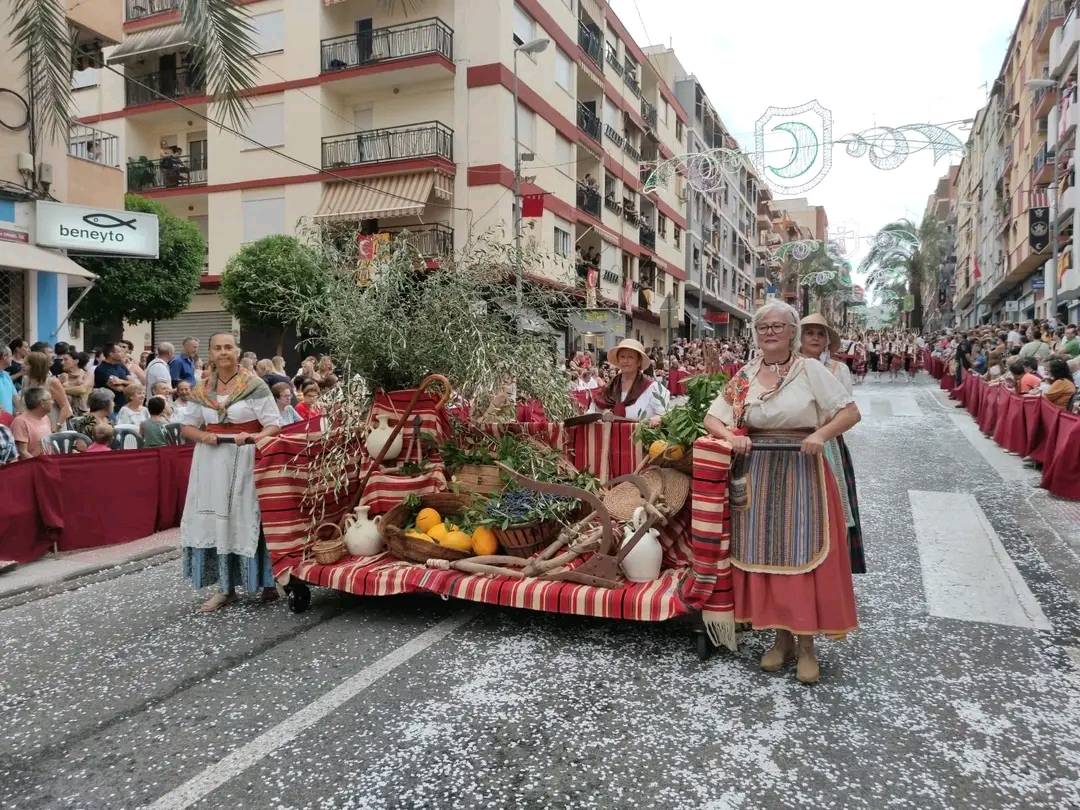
[[624, 453]]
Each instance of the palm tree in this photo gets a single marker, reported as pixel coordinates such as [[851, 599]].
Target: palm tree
[[905, 255], [218, 31]]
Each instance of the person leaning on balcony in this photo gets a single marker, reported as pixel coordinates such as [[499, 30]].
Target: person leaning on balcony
[[631, 393]]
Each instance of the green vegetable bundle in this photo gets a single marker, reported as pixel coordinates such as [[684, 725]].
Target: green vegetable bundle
[[684, 424]]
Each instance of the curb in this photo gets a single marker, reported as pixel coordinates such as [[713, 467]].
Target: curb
[[89, 575]]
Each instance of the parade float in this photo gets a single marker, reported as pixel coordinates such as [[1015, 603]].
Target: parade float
[[420, 479]]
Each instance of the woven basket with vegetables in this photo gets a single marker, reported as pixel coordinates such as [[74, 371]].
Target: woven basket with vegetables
[[669, 443]]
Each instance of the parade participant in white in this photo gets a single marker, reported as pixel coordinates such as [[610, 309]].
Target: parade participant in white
[[220, 533], [631, 394]]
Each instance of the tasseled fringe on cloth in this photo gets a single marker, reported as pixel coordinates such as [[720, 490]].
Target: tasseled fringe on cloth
[[720, 627]]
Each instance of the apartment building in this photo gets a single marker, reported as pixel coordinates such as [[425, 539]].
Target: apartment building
[[1064, 276], [938, 285], [38, 282], [401, 116], [1014, 282], [724, 253]]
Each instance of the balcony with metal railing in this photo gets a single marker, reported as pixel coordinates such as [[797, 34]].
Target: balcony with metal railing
[[647, 237], [1042, 166], [588, 122], [433, 240], [1049, 21], [591, 42], [137, 9], [381, 45], [632, 151], [611, 56], [630, 76], [588, 200], [175, 171], [87, 143], [648, 112], [150, 87], [430, 139]]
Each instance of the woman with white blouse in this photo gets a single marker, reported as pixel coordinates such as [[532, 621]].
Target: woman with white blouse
[[631, 394], [791, 570]]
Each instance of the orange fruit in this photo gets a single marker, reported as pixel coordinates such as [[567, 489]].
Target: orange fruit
[[419, 536], [438, 532], [657, 448], [675, 453], [459, 541], [484, 542], [427, 518]]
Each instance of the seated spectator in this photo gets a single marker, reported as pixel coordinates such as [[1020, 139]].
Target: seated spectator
[[134, 411], [279, 365], [1025, 380], [328, 382], [7, 386], [183, 395], [102, 435], [33, 424], [100, 402], [152, 428], [9, 452], [308, 407], [164, 391], [283, 397], [1061, 388]]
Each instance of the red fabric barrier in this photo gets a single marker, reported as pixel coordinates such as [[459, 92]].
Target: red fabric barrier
[[83, 501], [1033, 427], [1061, 475], [988, 411], [1009, 431], [947, 382]]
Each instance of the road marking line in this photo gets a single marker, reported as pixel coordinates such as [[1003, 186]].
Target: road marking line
[[966, 572], [1010, 468], [200, 786]]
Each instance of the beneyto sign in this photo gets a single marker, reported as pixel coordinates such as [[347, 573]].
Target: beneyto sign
[[96, 230]]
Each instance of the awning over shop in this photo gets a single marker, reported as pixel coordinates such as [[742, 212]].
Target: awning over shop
[[21, 256], [399, 195], [149, 42], [699, 324]]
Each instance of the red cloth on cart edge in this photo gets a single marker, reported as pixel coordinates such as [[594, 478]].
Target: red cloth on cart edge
[[70, 496]]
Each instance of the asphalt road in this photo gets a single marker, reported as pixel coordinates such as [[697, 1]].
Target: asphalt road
[[960, 689]]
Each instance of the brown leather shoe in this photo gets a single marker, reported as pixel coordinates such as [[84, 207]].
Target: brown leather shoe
[[807, 670], [781, 652]]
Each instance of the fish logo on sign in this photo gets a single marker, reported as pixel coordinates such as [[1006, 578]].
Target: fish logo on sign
[[108, 221], [804, 157]]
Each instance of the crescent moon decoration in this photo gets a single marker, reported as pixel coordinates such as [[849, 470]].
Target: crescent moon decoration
[[804, 153]]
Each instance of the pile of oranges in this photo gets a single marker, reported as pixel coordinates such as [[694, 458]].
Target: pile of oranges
[[431, 527]]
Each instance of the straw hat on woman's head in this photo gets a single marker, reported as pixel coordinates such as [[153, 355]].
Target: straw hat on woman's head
[[817, 319], [629, 344]]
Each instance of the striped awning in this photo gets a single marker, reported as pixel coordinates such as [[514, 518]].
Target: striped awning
[[399, 195], [151, 41], [444, 186]]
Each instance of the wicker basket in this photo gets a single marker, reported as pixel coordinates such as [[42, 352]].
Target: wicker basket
[[328, 550], [480, 479], [524, 541], [412, 549]]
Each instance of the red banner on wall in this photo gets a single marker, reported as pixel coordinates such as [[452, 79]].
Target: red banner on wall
[[716, 317], [532, 205]]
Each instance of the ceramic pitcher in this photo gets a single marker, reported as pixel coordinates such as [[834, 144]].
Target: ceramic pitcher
[[643, 562], [379, 436], [362, 536]]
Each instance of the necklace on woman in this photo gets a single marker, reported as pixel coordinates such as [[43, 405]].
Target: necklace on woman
[[226, 382], [776, 367]]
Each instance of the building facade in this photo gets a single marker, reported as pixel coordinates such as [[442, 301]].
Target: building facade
[[938, 284], [38, 284], [402, 117]]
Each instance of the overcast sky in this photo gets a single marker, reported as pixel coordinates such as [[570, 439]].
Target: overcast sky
[[871, 64]]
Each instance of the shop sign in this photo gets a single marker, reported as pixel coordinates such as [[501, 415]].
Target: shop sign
[[1038, 283], [1012, 306], [11, 235], [96, 230]]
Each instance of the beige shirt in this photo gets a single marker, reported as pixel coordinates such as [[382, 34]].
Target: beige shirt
[[808, 398]]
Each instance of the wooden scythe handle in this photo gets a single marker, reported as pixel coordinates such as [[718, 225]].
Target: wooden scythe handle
[[567, 491]]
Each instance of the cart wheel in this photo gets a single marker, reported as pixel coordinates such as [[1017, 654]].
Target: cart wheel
[[299, 595], [704, 647]]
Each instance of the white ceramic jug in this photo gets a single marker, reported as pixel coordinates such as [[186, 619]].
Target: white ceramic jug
[[362, 536], [643, 562], [379, 436]]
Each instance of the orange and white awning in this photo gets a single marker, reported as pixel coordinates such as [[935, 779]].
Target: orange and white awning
[[398, 195]]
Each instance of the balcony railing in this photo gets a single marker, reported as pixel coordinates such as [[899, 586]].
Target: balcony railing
[[588, 200], [169, 172], [430, 139], [632, 151], [1055, 10], [613, 205], [630, 213], [648, 112], [137, 9], [630, 77], [588, 122], [647, 237], [591, 43], [613, 136], [92, 144], [150, 87], [387, 44], [431, 240], [611, 56]]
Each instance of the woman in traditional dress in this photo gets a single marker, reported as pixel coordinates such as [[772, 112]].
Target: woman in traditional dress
[[631, 393], [220, 533], [818, 339], [791, 568]]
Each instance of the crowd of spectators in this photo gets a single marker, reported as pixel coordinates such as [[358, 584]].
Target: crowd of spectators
[[111, 398]]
